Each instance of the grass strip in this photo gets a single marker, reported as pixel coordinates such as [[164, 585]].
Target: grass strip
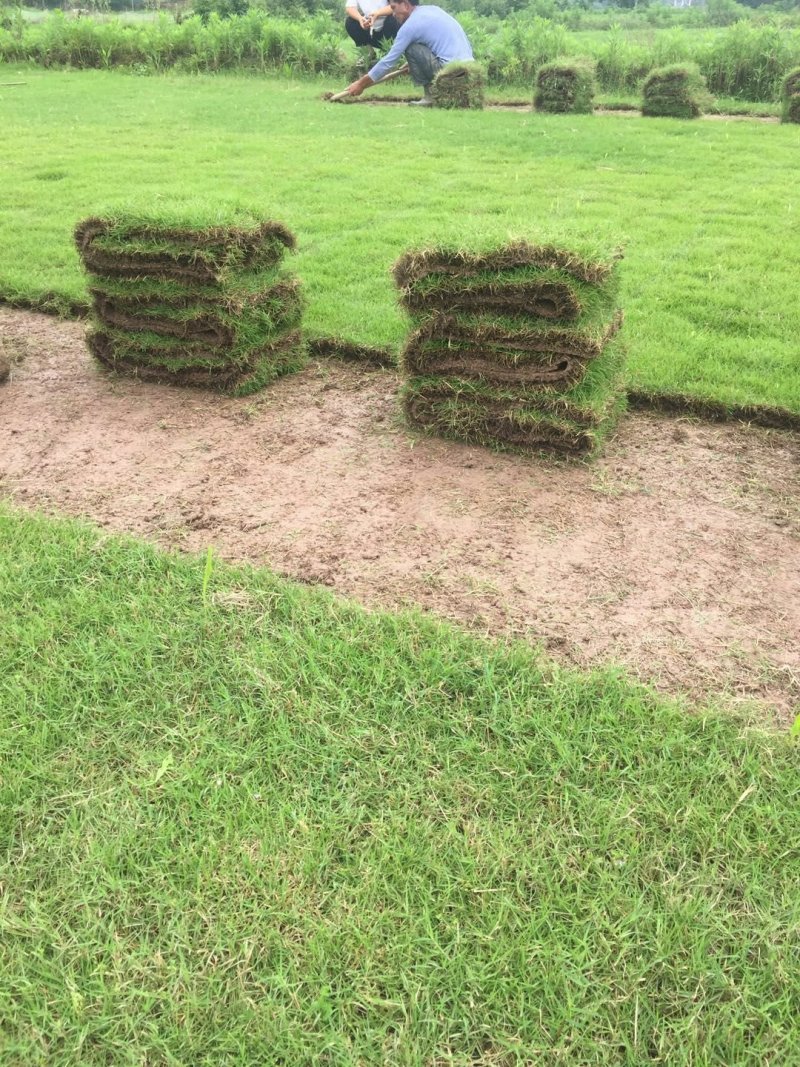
[[525, 291], [243, 322], [591, 266], [246, 822], [187, 247], [459, 85], [575, 422], [238, 372], [565, 87], [503, 351], [676, 91]]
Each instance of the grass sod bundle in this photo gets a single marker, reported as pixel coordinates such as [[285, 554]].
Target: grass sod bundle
[[790, 97], [677, 91], [501, 351], [245, 317], [574, 423], [525, 291], [591, 265], [565, 87], [459, 85], [205, 253], [141, 355]]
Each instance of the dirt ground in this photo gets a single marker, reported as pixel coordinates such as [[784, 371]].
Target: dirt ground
[[674, 555]]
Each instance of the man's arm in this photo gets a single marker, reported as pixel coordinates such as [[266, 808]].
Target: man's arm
[[383, 66], [354, 13]]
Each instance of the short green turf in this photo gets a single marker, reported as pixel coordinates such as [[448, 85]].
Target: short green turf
[[247, 823], [709, 280]]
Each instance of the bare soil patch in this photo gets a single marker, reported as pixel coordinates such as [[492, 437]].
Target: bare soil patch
[[674, 555]]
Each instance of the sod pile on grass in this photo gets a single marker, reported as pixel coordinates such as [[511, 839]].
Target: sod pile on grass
[[790, 97], [513, 347], [566, 86], [459, 85], [677, 91], [196, 298]]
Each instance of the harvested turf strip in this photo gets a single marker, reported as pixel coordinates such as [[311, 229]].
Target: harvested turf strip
[[790, 97], [278, 307], [135, 247], [255, 368], [565, 87], [413, 266], [678, 91], [459, 85], [457, 411], [523, 291], [501, 351], [349, 352]]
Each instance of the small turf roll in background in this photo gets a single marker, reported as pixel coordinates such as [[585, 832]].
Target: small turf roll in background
[[193, 296], [459, 85], [565, 86], [677, 91], [790, 97]]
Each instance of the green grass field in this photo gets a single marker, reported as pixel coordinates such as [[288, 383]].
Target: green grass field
[[244, 822], [704, 209]]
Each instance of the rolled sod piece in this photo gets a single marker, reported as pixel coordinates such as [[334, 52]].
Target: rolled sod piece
[[501, 351], [790, 97], [565, 87], [574, 423], [593, 268], [139, 356], [527, 292], [137, 246], [243, 317], [678, 91], [459, 85]]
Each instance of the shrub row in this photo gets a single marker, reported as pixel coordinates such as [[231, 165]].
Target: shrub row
[[746, 60]]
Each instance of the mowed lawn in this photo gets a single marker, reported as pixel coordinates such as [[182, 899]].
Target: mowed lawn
[[707, 211], [246, 823]]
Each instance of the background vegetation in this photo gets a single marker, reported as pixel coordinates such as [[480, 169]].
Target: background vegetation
[[703, 208], [742, 53]]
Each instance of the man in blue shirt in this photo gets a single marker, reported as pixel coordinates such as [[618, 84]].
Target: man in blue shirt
[[428, 37]]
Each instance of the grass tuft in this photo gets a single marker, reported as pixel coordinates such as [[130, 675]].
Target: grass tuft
[[678, 91], [565, 86], [459, 85]]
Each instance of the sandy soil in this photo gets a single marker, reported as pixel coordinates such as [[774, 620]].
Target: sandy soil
[[675, 555]]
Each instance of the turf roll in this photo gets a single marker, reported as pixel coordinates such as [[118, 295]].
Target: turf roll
[[565, 87], [459, 85], [677, 91], [500, 350], [575, 422], [790, 97]]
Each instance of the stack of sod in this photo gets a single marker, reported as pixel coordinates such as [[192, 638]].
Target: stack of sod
[[678, 91], [459, 85], [790, 97], [566, 86], [193, 299], [513, 347]]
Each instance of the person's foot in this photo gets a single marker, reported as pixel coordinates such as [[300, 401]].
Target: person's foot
[[425, 101]]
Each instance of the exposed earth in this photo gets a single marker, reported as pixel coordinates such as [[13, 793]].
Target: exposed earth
[[675, 555]]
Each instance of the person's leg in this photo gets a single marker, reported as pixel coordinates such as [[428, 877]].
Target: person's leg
[[356, 33], [422, 66]]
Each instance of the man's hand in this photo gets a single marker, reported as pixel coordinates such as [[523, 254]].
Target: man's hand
[[358, 87]]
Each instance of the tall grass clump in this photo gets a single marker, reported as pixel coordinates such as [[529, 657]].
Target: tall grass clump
[[566, 86], [748, 61], [790, 97], [678, 91], [620, 65]]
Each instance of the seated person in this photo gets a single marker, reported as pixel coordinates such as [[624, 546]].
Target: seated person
[[370, 21], [428, 37]]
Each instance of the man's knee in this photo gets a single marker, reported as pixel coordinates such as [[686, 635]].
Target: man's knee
[[422, 63]]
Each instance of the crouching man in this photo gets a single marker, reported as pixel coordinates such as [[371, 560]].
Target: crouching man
[[428, 37]]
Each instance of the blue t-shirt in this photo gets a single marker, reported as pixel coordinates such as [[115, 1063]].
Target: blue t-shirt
[[431, 26]]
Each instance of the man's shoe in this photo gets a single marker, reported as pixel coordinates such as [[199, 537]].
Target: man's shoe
[[424, 102]]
